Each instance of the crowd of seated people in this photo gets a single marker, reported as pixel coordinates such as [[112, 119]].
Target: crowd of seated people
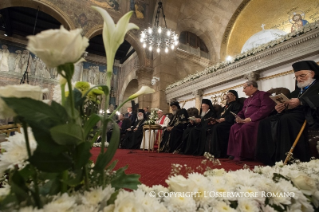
[[257, 129]]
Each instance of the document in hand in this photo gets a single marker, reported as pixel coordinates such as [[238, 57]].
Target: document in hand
[[280, 98], [236, 116]]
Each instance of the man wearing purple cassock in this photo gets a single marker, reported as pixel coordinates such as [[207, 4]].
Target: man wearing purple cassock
[[243, 134]]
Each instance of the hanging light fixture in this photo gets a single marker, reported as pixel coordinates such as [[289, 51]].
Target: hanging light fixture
[[158, 37]]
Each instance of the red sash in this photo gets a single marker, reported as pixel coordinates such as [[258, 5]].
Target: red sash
[[159, 133]]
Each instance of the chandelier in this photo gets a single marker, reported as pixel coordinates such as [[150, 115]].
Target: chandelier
[[158, 37]]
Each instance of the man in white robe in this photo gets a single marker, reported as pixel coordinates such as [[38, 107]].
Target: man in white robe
[[163, 121]]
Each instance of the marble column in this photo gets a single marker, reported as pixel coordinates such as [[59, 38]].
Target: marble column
[[144, 76], [198, 94]]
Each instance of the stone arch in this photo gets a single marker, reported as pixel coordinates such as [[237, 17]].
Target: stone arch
[[131, 76], [44, 6], [223, 46], [130, 37], [130, 88]]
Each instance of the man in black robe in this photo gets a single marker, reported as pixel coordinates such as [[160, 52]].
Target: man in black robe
[[134, 135], [276, 134], [191, 124], [217, 140], [172, 135], [197, 136]]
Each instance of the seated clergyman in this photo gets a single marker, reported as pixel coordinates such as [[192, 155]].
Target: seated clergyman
[[243, 135], [163, 121], [134, 135], [172, 135], [197, 136], [217, 139], [276, 134]]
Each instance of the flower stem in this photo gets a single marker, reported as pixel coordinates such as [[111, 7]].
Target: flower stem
[[36, 195], [86, 177], [109, 72], [71, 98], [63, 94], [64, 179]]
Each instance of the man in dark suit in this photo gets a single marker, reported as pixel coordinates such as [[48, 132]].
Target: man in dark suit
[[134, 135]]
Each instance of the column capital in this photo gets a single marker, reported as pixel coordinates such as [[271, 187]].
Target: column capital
[[198, 93], [254, 75]]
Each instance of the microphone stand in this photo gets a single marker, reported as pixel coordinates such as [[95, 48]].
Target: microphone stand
[[26, 74]]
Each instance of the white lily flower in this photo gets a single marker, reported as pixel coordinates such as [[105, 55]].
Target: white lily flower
[[113, 34], [144, 90]]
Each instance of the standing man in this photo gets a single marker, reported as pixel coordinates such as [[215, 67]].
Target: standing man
[[276, 134], [243, 135], [173, 134], [147, 113], [217, 142]]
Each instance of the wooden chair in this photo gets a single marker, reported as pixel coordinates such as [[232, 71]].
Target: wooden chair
[[9, 128]]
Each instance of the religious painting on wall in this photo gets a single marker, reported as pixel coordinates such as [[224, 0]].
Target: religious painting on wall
[[15, 59], [107, 4], [139, 8], [297, 19]]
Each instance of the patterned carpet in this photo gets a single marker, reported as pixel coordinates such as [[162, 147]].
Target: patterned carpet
[[155, 168]]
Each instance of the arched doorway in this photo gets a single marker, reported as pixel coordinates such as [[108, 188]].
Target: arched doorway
[[45, 7], [131, 88]]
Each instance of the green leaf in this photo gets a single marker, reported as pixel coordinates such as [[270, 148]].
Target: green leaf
[[67, 134], [276, 177], [48, 162], [26, 172], [122, 180], [93, 120], [113, 198], [45, 142], [105, 158], [60, 111], [35, 112], [18, 187], [82, 154], [94, 138], [112, 166]]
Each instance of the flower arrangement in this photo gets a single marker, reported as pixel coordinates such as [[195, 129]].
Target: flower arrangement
[[243, 55], [48, 166], [152, 117]]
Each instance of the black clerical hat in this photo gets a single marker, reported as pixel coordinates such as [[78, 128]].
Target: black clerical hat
[[207, 102], [141, 111], [307, 65], [234, 92], [175, 103]]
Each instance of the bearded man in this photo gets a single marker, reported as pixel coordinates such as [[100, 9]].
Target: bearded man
[[276, 134], [173, 134], [217, 141], [134, 135], [197, 136]]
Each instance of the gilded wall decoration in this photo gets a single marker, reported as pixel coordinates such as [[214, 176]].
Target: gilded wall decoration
[[285, 15]]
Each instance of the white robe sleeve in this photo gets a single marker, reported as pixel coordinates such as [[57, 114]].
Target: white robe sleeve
[[166, 121]]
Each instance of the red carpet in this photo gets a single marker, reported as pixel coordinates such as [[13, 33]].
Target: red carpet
[[155, 168]]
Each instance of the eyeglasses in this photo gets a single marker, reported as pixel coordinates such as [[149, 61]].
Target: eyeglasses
[[246, 86], [302, 76]]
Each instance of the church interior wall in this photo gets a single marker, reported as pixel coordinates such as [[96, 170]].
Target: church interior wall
[[280, 76]]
